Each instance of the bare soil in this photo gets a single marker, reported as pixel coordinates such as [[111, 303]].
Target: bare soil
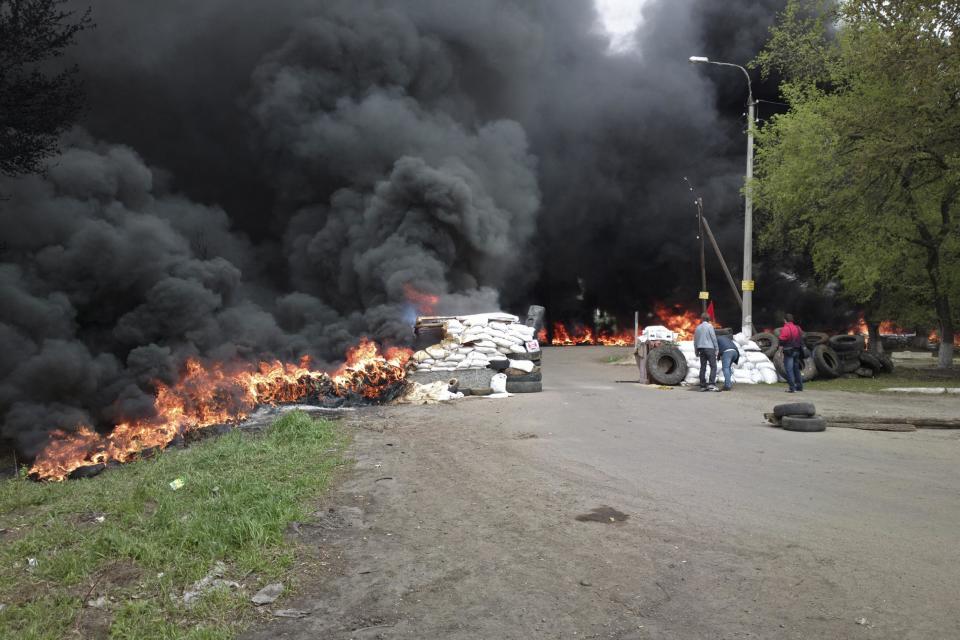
[[603, 509]]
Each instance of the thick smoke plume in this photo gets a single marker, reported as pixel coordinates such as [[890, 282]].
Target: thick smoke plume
[[261, 180]]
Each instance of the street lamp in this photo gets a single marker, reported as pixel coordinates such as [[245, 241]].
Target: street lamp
[[747, 284]]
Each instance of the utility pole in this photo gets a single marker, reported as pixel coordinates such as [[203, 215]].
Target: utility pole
[[703, 261], [747, 285]]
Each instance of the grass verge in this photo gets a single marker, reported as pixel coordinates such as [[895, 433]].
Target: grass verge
[[901, 377], [129, 538]]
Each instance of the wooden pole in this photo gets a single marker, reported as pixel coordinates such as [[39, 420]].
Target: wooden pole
[[723, 263], [703, 261]]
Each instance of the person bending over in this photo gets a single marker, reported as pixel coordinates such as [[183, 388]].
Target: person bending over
[[729, 354]]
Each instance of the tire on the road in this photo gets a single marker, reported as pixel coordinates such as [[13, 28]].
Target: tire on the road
[[807, 424], [767, 342], [813, 338], [865, 372], [534, 356], [826, 361], [871, 361], [794, 409], [843, 344], [524, 387], [666, 365], [809, 370], [481, 391], [887, 362], [499, 365]]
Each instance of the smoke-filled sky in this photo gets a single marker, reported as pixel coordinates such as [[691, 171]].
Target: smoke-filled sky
[[257, 179]]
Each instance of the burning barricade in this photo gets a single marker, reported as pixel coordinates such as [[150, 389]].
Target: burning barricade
[[472, 349]]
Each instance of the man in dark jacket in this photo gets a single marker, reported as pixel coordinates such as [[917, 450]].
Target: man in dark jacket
[[791, 340], [729, 354]]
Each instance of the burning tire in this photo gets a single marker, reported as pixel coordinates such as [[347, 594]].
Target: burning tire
[[826, 361], [886, 362], [524, 387], [795, 409], [767, 342], [806, 424], [814, 338], [843, 344], [666, 365], [870, 361]]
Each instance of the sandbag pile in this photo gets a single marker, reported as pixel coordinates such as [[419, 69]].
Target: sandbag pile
[[472, 342], [754, 366]]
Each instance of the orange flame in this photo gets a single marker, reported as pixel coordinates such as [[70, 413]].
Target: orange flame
[[681, 322], [213, 394], [542, 336], [424, 302], [580, 335]]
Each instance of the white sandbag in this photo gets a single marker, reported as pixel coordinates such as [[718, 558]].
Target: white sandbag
[[455, 357], [766, 366], [485, 344], [437, 352], [751, 346], [420, 356], [769, 376], [498, 383], [503, 342], [741, 339], [523, 365], [756, 357], [504, 350], [518, 348]]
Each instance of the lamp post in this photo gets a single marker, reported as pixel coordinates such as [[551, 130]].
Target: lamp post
[[747, 284]]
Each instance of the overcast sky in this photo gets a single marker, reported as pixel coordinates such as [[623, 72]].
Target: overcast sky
[[620, 18]]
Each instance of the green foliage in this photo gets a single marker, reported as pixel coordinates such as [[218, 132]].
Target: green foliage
[[240, 493], [862, 173]]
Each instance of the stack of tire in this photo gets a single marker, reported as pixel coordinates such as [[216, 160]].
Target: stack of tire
[[518, 380], [832, 356], [799, 416]]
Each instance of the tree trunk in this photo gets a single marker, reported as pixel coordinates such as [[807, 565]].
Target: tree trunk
[[945, 353], [873, 331]]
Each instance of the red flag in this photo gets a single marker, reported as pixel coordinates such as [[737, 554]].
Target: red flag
[[713, 317]]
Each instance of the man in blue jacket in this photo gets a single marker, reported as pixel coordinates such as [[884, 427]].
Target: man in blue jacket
[[705, 343], [728, 355]]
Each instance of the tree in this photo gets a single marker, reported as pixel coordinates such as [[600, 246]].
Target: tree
[[37, 102], [862, 172]]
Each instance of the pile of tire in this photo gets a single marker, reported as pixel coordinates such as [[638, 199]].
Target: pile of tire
[[799, 416], [666, 364], [831, 356], [518, 380]]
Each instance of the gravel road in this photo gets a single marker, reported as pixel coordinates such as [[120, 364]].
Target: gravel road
[[603, 509]]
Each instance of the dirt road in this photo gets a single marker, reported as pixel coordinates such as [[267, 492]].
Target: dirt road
[[461, 521]]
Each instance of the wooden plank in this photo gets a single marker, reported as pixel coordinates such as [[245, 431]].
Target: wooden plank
[[873, 426]]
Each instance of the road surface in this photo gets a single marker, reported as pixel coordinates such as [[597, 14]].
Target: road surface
[[696, 520]]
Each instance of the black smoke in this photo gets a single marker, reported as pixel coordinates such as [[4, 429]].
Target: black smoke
[[259, 180]]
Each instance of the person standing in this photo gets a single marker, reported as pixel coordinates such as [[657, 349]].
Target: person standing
[[791, 341], [729, 354], [705, 343]]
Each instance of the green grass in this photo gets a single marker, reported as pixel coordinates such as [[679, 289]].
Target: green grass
[[241, 491], [901, 377]]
